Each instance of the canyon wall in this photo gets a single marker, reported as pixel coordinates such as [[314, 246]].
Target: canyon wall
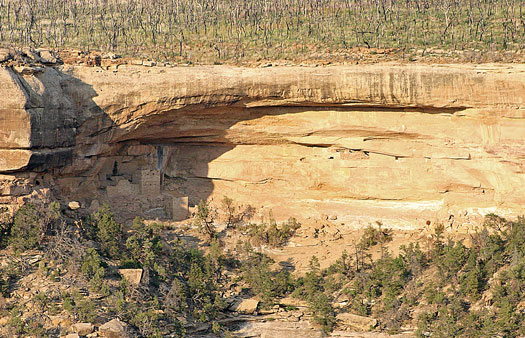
[[401, 144]]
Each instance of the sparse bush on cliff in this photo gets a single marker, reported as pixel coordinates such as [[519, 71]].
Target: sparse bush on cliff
[[373, 236], [323, 313], [205, 217], [32, 222], [450, 277], [265, 282], [195, 289], [78, 305], [144, 247], [459, 290], [270, 233], [6, 221], [236, 214], [109, 233], [94, 270], [311, 288]]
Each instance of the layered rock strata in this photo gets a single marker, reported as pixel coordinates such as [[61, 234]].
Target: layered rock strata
[[403, 144]]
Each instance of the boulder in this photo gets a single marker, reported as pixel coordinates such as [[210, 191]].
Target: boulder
[[246, 306], [133, 276], [82, 329], [60, 320], [113, 56], [115, 328], [74, 205], [356, 322], [31, 53], [72, 335], [47, 57], [28, 70]]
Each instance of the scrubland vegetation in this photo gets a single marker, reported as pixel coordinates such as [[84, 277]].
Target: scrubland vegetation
[[442, 288], [221, 30]]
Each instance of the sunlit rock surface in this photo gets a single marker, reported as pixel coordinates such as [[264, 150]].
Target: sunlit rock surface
[[403, 144]]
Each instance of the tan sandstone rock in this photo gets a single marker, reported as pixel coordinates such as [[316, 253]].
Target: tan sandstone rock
[[133, 276], [405, 144], [5, 54], [74, 205], [72, 335], [114, 329], [82, 329], [245, 306], [47, 57], [293, 302], [60, 320], [356, 322]]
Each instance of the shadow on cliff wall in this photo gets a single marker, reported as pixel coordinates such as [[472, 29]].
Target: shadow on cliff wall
[[63, 105], [74, 153], [59, 105]]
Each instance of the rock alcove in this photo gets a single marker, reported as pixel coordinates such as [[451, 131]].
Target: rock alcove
[[401, 143]]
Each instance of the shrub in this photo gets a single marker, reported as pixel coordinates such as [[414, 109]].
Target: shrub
[[342, 265], [92, 265], [31, 224], [264, 282], [5, 225], [414, 258], [195, 290], [472, 278], [16, 324], [451, 260], [80, 306], [373, 236], [311, 288], [175, 301], [369, 237], [323, 312], [204, 219], [144, 246], [271, 234], [109, 233], [236, 214], [93, 269], [146, 319]]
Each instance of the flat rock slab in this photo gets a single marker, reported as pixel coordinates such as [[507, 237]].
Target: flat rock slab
[[72, 335], [133, 276], [356, 322], [246, 306]]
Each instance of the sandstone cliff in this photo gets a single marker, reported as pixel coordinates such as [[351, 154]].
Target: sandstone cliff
[[398, 143]]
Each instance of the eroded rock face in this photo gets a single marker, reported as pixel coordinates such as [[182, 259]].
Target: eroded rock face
[[398, 143]]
